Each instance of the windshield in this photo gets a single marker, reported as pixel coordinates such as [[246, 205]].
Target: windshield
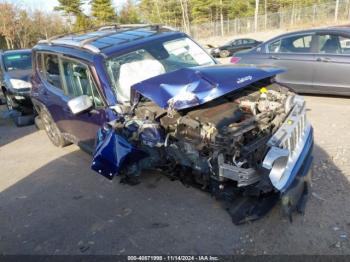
[[18, 61], [153, 60]]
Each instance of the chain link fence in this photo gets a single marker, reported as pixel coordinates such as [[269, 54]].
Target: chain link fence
[[316, 15]]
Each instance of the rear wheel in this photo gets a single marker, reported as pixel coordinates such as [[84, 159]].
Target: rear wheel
[[52, 130], [224, 53]]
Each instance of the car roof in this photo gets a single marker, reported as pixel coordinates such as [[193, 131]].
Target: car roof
[[17, 51], [338, 29], [106, 41]]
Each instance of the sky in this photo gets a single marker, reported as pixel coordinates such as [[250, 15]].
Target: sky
[[48, 5]]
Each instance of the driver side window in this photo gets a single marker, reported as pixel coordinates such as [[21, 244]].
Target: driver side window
[[78, 81]]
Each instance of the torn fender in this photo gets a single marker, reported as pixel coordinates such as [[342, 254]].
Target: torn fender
[[113, 153]]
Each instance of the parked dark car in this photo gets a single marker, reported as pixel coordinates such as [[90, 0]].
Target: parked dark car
[[15, 73], [234, 46], [317, 60], [147, 97]]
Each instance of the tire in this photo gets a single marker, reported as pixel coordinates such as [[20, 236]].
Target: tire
[[52, 130], [224, 53], [38, 123], [8, 101]]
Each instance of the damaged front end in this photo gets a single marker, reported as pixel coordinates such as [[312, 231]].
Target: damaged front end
[[227, 130]]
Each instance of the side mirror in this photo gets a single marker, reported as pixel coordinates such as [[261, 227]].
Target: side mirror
[[80, 104]]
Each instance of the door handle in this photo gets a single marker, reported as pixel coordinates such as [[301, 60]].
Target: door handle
[[274, 57], [324, 59]]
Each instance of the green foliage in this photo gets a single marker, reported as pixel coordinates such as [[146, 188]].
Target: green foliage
[[73, 9], [161, 11], [70, 7], [103, 11], [129, 14], [82, 23], [203, 11]]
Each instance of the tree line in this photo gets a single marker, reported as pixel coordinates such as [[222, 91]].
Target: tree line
[[183, 13], [21, 28], [176, 13]]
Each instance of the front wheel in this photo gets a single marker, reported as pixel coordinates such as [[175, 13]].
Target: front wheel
[[9, 101], [52, 130]]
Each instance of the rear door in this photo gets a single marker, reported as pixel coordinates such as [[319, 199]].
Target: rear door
[[295, 54], [247, 43], [236, 46], [52, 89], [333, 64]]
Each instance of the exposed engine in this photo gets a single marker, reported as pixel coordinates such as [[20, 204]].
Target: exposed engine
[[222, 141]]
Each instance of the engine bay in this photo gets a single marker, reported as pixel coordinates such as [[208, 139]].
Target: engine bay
[[218, 147], [233, 130]]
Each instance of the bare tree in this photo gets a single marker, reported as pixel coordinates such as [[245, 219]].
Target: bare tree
[[336, 11], [265, 14], [185, 17], [22, 28], [221, 19], [7, 23], [158, 11], [256, 15]]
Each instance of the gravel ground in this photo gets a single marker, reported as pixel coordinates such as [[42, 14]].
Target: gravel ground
[[52, 203]]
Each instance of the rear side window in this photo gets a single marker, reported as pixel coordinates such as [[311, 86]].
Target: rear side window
[[237, 42], [79, 82], [333, 44], [293, 44], [248, 41], [50, 70]]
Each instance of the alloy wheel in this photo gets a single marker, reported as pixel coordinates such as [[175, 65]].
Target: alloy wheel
[[50, 128], [9, 102]]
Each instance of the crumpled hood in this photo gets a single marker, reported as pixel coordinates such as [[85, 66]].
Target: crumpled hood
[[194, 86]]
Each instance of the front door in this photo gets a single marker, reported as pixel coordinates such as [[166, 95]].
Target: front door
[[82, 128]]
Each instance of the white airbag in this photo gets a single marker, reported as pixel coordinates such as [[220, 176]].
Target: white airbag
[[135, 72]]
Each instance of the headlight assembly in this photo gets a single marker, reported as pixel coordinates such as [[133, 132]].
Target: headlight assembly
[[19, 84]]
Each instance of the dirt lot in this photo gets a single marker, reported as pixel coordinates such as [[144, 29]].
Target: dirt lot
[[52, 203]]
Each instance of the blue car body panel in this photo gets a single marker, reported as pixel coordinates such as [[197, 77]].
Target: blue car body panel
[[113, 152], [205, 83]]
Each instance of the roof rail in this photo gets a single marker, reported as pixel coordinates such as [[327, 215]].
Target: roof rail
[[126, 26], [109, 30], [105, 28]]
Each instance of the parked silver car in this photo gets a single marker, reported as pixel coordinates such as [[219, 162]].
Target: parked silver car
[[317, 61]]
